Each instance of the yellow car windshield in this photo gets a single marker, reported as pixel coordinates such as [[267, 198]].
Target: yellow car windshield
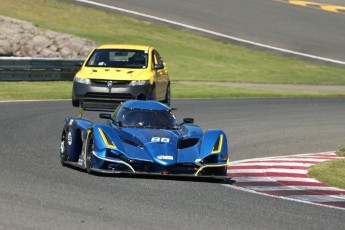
[[118, 58]]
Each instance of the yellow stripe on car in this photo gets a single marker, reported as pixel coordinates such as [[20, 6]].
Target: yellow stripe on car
[[107, 142], [85, 146], [212, 166]]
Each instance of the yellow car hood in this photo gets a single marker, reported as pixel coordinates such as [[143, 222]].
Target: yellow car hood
[[113, 74]]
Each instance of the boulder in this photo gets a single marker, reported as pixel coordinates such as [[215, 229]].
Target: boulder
[[24, 39]]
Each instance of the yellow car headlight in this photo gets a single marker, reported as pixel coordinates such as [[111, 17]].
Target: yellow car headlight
[[82, 80], [140, 82]]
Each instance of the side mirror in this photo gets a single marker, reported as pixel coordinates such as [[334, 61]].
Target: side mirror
[[108, 116], [188, 120], [159, 66]]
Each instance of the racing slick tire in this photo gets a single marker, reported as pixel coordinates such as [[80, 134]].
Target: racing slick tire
[[219, 171], [63, 148]]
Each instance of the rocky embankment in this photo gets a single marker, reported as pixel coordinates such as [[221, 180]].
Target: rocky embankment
[[24, 39]]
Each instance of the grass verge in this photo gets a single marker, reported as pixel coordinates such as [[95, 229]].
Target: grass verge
[[329, 172], [341, 151], [37, 90], [212, 91]]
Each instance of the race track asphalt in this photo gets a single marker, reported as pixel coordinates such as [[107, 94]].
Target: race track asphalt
[[36, 192], [307, 30]]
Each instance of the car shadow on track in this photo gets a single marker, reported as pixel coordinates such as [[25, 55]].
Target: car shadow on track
[[206, 179]]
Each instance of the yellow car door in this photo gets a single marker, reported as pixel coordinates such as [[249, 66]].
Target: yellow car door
[[161, 76]]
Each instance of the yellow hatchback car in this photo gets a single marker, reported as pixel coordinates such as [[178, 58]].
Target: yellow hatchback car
[[115, 73]]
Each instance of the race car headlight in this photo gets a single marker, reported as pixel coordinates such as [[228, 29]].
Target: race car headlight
[[199, 162], [140, 82], [82, 80]]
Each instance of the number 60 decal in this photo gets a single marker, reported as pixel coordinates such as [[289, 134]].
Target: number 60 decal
[[159, 139]]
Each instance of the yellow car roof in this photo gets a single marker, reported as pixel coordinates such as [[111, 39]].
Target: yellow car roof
[[124, 46]]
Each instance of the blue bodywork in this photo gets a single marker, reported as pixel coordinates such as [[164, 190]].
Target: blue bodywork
[[124, 146]]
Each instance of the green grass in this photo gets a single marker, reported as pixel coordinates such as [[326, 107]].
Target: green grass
[[62, 90], [329, 172], [205, 91], [35, 90], [189, 56], [341, 151]]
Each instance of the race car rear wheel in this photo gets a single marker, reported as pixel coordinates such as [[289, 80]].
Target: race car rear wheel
[[89, 154], [63, 149]]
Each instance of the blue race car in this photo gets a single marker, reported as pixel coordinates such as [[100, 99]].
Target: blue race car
[[144, 137]]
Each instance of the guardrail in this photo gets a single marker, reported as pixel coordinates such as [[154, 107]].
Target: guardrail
[[38, 69]]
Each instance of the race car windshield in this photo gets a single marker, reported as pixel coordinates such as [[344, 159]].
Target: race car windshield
[[118, 58], [147, 119]]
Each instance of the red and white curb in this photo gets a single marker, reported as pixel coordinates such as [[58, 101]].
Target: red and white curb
[[286, 177]]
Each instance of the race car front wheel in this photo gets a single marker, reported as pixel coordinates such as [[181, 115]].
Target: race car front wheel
[[221, 171], [218, 171], [63, 149]]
